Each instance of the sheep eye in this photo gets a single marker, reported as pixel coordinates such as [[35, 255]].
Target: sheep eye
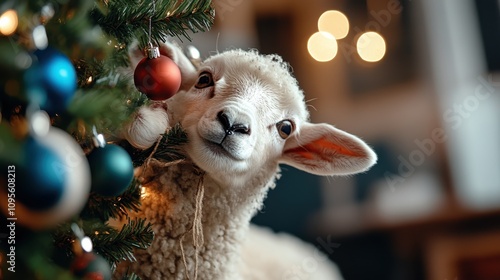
[[285, 128], [204, 80]]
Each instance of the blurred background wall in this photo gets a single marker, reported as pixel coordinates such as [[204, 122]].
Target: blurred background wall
[[423, 91]]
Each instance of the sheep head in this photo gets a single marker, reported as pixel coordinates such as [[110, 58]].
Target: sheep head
[[244, 112]]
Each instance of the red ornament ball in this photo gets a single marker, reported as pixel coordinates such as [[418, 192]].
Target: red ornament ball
[[89, 266], [159, 78]]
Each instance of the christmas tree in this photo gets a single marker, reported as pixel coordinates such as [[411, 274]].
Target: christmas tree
[[64, 98]]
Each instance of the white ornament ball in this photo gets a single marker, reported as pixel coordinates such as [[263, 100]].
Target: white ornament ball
[[147, 126], [76, 190]]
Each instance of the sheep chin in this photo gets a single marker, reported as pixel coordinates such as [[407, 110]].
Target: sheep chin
[[215, 160]]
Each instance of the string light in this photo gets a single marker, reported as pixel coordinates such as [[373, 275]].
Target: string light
[[86, 244], [322, 46], [8, 22], [144, 192]]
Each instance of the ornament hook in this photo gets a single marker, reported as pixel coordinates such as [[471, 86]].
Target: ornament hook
[[152, 52], [98, 139]]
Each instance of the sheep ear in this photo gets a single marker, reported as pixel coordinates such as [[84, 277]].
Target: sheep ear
[[324, 150], [173, 51]]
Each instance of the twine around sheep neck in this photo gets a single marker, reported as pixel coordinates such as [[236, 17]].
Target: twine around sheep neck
[[197, 227]]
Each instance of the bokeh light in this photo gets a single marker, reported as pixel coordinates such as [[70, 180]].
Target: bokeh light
[[86, 244], [8, 22], [335, 23], [371, 46], [322, 46]]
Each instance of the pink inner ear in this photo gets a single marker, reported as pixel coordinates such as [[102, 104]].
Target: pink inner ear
[[322, 148]]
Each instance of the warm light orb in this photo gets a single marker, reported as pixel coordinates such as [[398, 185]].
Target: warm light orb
[[8, 22], [322, 46], [335, 23], [371, 46]]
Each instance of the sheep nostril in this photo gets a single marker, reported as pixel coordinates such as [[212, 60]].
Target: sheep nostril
[[224, 120], [240, 128]]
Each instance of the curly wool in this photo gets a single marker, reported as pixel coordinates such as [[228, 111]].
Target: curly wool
[[169, 204]]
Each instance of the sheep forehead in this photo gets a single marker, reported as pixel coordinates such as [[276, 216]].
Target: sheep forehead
[[268, 72]]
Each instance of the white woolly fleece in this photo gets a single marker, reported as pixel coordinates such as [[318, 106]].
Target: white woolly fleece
[[169, 203]]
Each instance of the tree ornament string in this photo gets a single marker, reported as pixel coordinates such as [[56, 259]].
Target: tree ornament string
[[150, 20]]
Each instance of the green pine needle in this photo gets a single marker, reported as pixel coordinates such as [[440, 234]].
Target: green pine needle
[[108, 108], [169, 18], [112, 244], [105, 208], [117, 246]]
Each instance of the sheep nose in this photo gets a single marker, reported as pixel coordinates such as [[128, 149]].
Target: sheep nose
[[230, 128]]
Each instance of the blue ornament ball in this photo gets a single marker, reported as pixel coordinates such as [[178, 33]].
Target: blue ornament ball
[[111, 169], [51, 80], [40, 184]]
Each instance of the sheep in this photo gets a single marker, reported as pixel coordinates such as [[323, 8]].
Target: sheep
[[244, 115]]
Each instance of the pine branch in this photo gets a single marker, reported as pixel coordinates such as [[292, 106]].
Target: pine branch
[[117, 246], [114, 245], [103, 106], [71, 25], [104, 208], [168, 149], [104, 72], [129, 19], [88, 71]]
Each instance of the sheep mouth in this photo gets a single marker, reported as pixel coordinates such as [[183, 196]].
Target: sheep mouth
[[219, 150]]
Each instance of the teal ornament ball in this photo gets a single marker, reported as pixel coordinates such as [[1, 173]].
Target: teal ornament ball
[[40, 183], [112, 170], [51, 80]]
